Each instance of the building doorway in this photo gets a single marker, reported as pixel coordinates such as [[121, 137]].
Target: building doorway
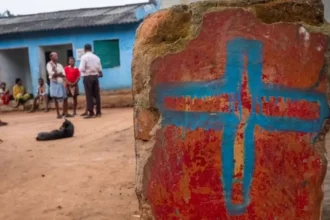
[[64, 52]]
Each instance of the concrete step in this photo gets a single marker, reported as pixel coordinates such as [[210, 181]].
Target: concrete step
[[113, 100]]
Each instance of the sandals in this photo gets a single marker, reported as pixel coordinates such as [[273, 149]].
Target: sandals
[[84, 114]]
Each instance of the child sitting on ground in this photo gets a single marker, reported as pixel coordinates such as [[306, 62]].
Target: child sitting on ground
[[42, 95], [4, 94]]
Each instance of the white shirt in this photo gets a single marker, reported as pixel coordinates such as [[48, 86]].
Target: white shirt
[[90, 65], [51, 67]]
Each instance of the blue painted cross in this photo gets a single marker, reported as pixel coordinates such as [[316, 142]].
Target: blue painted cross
[[231, 84]]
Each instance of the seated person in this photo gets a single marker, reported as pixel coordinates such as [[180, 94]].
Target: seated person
[[42, 95], [19, 93], [4, 94]]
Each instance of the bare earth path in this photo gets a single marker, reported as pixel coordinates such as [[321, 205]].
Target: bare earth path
[[88, 177]]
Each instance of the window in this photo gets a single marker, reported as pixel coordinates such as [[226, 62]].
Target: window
[[109, 53]]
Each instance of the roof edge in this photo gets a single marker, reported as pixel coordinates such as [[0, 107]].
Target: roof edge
[[66, 28], [79, 9]]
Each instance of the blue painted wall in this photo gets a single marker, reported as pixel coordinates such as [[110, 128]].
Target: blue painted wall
[[114, 78]]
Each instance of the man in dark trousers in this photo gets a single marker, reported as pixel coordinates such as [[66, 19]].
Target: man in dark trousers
[[91, 69]]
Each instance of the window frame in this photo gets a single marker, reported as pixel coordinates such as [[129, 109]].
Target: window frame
[[109, 59]]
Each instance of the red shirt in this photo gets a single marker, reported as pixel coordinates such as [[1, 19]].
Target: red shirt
[[72, 74]]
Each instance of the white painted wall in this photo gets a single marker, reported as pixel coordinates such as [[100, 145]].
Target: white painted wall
[[15, 64], [169, 3]]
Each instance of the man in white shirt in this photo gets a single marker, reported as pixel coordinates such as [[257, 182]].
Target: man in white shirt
[[57, 90], [91, 69]]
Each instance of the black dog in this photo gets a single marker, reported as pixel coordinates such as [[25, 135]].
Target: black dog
[[65, 131]]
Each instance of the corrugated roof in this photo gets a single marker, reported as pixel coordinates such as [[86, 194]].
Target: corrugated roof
[[87, 17]]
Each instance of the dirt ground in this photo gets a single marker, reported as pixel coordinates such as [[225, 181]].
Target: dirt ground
[[88, 177]]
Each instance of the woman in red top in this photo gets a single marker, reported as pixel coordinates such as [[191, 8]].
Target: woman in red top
[[72, 78]]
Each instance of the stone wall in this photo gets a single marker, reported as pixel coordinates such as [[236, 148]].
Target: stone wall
[[169, 3], [231, 111]]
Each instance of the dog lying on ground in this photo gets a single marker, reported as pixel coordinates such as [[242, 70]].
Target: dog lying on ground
[[65, 131]]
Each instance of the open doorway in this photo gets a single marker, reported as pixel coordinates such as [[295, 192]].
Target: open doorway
[[14, 63], [64, 52], [69, 53]]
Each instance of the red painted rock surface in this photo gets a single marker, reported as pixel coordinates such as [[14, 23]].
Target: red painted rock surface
[[241, 106]]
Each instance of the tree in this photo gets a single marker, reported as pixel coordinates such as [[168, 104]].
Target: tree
[[6, 13]]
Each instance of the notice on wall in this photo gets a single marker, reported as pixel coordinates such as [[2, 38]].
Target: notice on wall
[[79, 53]]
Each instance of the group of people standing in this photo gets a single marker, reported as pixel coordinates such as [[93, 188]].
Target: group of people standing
[[64, 84], [61, 83]]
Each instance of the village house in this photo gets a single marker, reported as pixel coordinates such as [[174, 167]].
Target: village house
[[27, 40]]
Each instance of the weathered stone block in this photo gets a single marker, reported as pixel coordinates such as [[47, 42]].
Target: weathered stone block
[[230, 113]]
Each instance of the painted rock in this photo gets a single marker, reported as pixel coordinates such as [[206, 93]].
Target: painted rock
[[234, 116]]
